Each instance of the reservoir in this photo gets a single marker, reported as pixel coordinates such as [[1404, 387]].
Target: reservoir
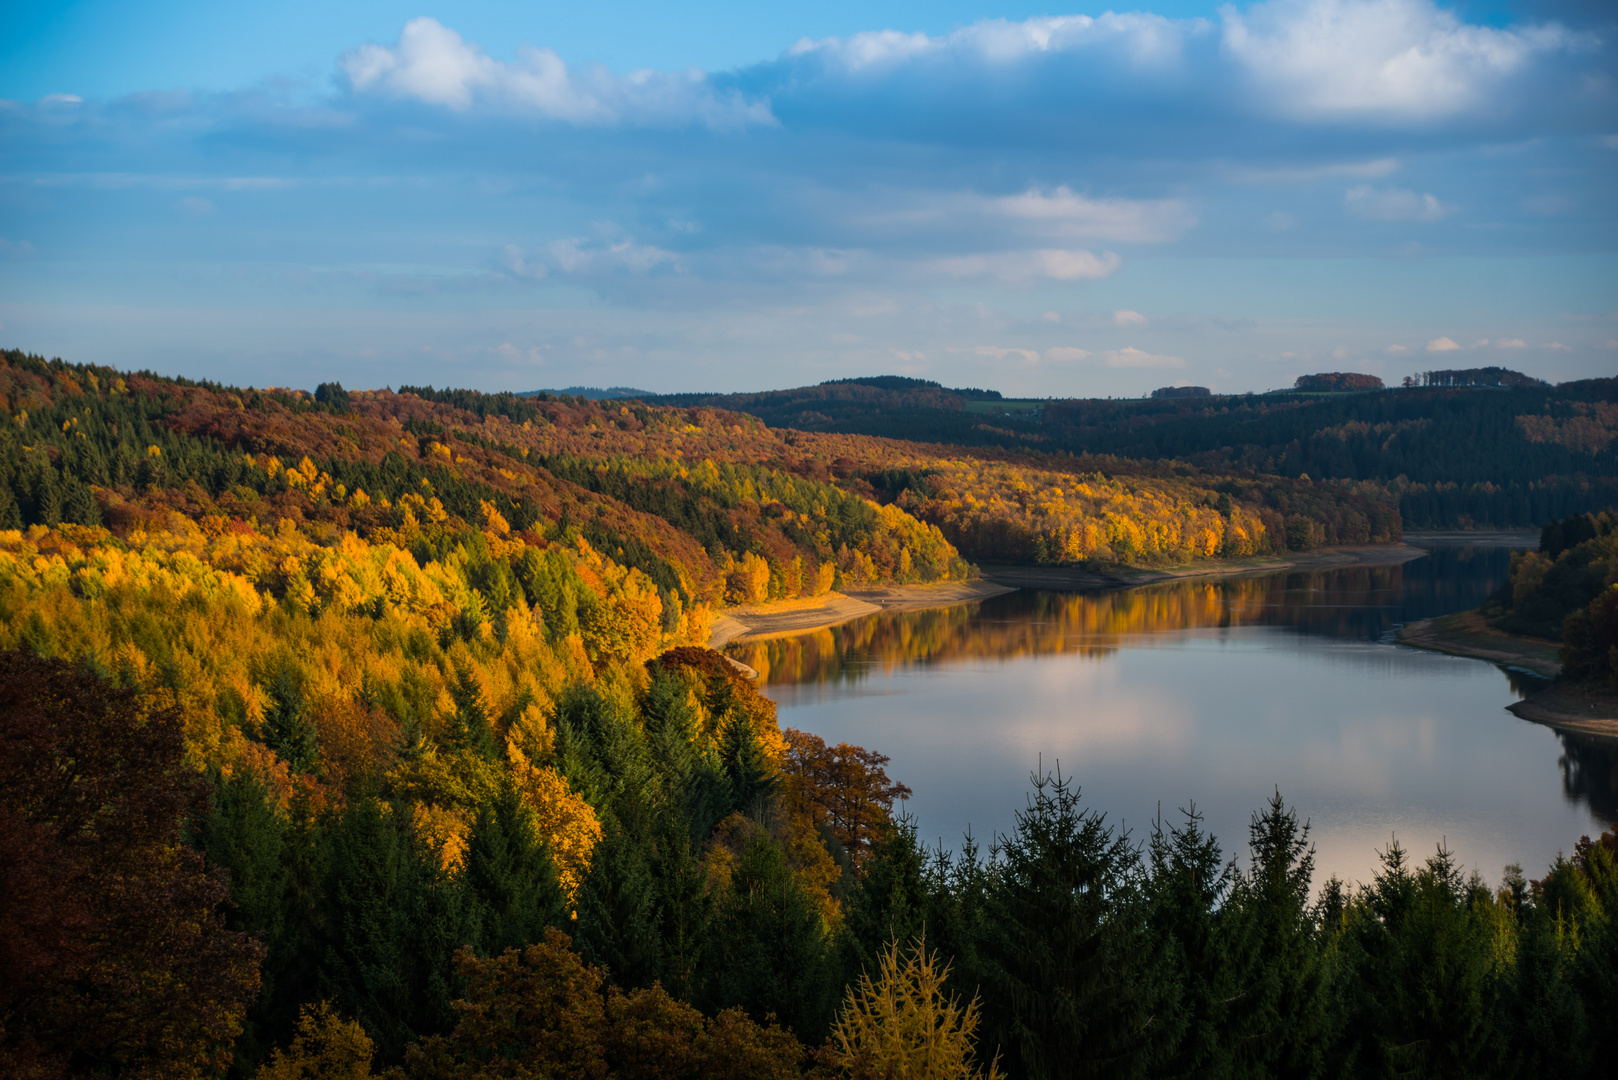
[[1215, 691]]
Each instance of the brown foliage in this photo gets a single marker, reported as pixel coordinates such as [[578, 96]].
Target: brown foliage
[[845, 788], [543, 1012], [113, 956]]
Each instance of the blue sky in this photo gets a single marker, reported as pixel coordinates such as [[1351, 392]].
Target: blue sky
[[737, 196]]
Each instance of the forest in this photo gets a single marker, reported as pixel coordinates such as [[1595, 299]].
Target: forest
[[1484, 448], [1567, 591], [372, 733]]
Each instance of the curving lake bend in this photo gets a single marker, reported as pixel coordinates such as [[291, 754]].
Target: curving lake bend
[[1217, 691]]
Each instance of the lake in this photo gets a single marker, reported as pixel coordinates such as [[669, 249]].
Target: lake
[[1213, 690]]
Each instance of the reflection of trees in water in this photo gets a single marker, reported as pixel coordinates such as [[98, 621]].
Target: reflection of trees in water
[[1590, 775], [1525, 683], [1356, 602]]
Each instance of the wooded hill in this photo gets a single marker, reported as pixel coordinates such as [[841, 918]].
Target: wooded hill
[[1447, 456], [710, 506], [345, 734]]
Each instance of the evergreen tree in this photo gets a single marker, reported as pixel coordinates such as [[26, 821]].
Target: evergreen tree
[[1073, 985], [510, 877], [767, 952], [287, 728], [1278, 1023], [751, 776], [243, 834], [1186, 893], [889, 901]]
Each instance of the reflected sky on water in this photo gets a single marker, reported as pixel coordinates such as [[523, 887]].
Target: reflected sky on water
[[1216, 691]]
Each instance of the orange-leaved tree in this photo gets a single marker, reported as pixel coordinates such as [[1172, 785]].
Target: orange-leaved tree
[[113, 955]]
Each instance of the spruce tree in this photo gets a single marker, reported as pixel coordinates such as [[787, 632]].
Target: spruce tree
[[1073, 984], [510, 877]]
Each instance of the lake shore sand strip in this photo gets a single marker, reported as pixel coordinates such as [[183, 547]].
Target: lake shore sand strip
[[783, 618], [1577, 709]]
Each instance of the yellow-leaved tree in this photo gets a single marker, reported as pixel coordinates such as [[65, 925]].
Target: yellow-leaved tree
[[903, 1026], [326, 1047]]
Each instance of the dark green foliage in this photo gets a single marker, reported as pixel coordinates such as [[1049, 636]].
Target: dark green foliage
[[1073, 983], [767, 950], [333, 396], [1418, 993], [287, 728], [510, 877], [891, 900], [393, 919], [469, 724], [552, 587], [749, 774]]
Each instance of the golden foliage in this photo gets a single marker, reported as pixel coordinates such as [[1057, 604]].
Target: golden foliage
[[325, 1047], [904, 1026]]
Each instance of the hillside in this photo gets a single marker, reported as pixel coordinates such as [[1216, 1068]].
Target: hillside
[[1450, 456]]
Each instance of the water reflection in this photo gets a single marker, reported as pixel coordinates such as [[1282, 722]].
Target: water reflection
[[1217, 691], [1590, 774], [1361, 603]]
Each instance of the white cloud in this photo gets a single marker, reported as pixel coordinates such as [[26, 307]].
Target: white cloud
[[1510, 343], [1146, 40], [1051, 317], [1131, 357], [433, 64], [1396, 349], [576, 256], [1126, 317], [994, 352], [1442, 344], [194, 206], [1480, 343], [1554, 345], [1064, 354], [1376, 59], [1026, 266], [518, 264], [1394, 204], [1612, 343], [1280, 221], [16, 249], [1063, 212], [59, 100]]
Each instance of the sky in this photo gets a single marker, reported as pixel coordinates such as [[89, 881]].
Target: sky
[[734, 196]]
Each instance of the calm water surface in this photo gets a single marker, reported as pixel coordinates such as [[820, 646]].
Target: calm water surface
[[1217, 691]]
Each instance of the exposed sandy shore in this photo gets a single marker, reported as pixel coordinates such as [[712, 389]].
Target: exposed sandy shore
[[1085, 579], [1468, 634], [786, 617], [1576, 709]]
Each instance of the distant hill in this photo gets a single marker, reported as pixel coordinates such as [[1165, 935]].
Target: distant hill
[[594, 393], [1485, 448]]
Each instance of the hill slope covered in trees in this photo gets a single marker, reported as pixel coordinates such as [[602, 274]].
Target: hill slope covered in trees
[[1449, 455], [352, 732]]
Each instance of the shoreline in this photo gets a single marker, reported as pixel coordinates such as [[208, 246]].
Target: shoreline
[[1082, 579], [787, 618], [1585, 711]]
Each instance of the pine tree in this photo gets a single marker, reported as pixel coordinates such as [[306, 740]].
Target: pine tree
[[287, 728], [511, 878], [1072, 983]]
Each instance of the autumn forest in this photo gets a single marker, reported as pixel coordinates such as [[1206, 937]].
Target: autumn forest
[[375, 733]]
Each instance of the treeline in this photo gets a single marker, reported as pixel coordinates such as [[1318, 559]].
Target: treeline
[[1567, 591], [746, 911], [1474, 449]]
